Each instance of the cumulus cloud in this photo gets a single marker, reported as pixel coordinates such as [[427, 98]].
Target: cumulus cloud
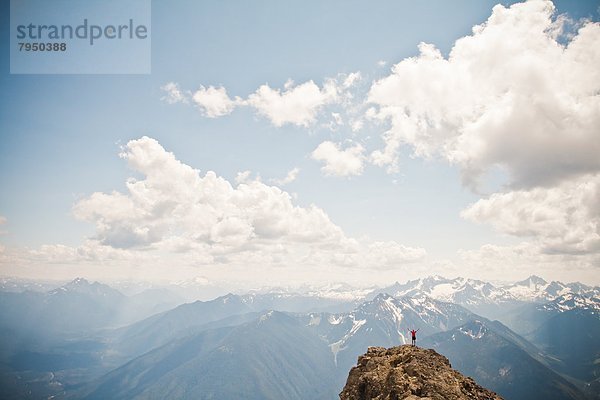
[[519, 95], [176, 209], [297, 105], [509, 95], [174, 199], [340, 162], [564, 219], [214, 102], [294, 104]]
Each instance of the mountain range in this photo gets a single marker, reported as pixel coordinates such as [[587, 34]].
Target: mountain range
[[283, 344]]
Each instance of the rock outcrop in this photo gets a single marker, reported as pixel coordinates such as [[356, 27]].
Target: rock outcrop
[[408, 372]]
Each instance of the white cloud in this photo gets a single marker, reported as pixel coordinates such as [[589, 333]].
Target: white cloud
[[509, 95], [214, 102], [173, 93], [563, 219], [191, 218], [338, 162], [297, 105], [289, 178], [520, 96], [174, 200]]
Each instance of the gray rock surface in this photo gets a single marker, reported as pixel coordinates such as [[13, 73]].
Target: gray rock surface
[[408, 372]]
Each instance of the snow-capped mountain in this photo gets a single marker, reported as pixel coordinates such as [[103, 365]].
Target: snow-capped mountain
[[472, 293], [571, 301], [83, 286], [383, 321], [536, 289], [463, 291]]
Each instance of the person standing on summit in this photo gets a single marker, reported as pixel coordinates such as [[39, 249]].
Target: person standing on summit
[[414, 336]]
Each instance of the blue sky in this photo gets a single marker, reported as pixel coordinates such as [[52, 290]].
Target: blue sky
[[61, 136]]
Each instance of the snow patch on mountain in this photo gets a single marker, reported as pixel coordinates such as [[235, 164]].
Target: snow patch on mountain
[[339, 345], [265, 317], [475, 331], [459, 291], [471, 292], [536, 289], [315, 319], [572, 301]]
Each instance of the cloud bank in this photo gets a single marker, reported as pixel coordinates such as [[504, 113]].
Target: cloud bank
[[176, 210], [510, 96]]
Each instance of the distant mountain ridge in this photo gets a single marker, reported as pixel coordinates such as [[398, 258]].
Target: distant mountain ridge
[[76, 307], [467, 291], [536, 289], [463, 291], [271, 357]]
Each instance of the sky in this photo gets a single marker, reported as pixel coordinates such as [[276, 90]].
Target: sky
[[283, 143]]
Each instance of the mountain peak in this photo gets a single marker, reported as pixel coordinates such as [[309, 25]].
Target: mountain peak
[[227, 298], [436, 278], [533, 280], [382, 297], [78, 282], [407, 372], [83, 286]]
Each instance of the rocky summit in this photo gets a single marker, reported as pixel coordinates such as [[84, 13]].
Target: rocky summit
[[408, 372]]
